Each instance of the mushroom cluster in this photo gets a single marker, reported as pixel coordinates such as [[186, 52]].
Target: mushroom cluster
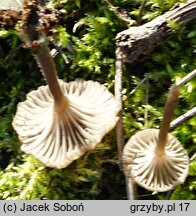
[[58, 133]]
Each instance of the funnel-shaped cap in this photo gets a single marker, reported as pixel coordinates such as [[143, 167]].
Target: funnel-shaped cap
[[150, 170], [57, 135]]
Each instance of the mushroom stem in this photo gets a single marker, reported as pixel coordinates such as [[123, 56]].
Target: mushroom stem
[[172, 101], [46, 63]]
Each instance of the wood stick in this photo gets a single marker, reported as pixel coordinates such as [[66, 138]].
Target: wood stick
[[118, 97], [186, 78], [181, 119], [139, 41]]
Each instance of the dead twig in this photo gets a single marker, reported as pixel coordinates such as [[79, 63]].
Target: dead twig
[[186, 78], [140, 12], [181, 119], [118, 97], [120, 13]]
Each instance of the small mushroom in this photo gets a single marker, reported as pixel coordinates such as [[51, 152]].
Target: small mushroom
[[149, 169], [155, 159], [59, 122], [57, 135]]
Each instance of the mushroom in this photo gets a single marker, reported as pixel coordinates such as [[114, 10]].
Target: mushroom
[[59, 122], [155, 159]]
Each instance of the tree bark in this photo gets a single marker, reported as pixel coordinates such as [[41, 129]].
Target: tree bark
[[141, 40]]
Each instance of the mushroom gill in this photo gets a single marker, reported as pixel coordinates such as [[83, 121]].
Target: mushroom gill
[[59, 122], [58, 134], [154, 158], [153, 171]]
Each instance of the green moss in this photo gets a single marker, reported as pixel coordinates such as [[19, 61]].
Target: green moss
[[87, 36]]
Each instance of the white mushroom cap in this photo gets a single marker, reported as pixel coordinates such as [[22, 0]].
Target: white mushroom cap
[[56, 136], [152, 171]]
